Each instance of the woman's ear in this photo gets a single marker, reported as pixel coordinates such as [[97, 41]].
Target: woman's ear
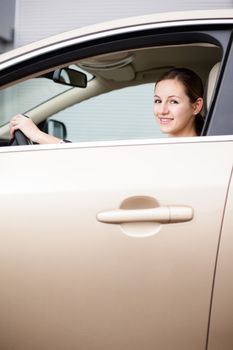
[[198, 105]]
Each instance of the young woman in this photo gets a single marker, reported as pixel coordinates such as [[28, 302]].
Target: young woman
[[178, 101]]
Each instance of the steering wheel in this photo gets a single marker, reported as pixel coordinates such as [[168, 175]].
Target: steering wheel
[[20, 139]]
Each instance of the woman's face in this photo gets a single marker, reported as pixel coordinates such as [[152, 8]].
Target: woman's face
[[173, 109]]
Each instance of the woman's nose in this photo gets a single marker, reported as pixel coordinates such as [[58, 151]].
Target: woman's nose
[[163, 108]]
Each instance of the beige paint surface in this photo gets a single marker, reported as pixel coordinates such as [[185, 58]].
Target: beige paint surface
[[221, 326], [69, 281]]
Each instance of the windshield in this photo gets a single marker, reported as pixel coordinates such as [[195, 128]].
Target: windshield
[[26, 95]]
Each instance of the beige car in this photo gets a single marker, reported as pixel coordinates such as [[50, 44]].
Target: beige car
[[122, 239]]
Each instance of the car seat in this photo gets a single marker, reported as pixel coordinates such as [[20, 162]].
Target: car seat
[[211, 82]]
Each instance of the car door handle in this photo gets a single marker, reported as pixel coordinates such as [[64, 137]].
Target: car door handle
[[163, 215]]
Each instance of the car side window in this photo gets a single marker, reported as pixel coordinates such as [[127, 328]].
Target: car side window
[[117, 101], [121, 114]]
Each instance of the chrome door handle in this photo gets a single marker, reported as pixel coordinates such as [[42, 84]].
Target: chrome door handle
[[163, 215]]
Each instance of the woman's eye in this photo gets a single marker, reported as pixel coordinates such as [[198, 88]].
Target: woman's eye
[[157, 100], [174, 102]]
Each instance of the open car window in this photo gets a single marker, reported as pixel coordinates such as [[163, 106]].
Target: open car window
[[117, 103]]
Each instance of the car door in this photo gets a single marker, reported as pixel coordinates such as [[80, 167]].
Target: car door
[[110, 246]]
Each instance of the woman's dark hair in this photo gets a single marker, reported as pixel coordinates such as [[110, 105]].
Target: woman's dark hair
[[193, 88]]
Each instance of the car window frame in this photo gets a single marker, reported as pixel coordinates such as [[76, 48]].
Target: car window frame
[[221, 121], [205, 33]]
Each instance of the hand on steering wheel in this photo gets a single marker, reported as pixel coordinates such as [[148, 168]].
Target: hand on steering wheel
[[20, 130], [20, 139]]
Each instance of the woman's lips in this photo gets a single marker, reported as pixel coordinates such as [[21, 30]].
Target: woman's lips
[[165, 121]]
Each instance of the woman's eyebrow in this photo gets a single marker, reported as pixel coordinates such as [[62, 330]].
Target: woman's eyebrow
[[170, 96], [174, 96]]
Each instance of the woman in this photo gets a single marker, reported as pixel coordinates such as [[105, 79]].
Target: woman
[[178, 101]]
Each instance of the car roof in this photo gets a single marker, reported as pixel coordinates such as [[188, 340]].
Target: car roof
[[116, 26]]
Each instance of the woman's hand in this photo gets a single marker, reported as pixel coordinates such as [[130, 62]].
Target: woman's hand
[[26, 125], [29, 128]]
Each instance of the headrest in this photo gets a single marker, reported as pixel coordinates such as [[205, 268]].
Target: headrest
[[211, 83]]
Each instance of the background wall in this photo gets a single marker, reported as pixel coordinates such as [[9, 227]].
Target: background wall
[[36, 19], [7, 24]]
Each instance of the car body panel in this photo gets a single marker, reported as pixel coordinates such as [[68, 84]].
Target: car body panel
[[221, 336], [70, 281]]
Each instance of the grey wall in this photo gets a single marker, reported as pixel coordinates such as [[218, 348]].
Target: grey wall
[[7, 23], [36, 19]]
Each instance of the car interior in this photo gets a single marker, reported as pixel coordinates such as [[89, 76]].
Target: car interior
[[113, 72]]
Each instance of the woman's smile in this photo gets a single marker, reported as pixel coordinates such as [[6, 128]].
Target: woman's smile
[[165, 120]]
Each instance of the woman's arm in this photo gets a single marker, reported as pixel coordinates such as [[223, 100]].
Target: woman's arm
[[29, 128]]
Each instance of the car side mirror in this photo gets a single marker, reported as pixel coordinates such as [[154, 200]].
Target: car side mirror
[[55, 128], [71, 77]]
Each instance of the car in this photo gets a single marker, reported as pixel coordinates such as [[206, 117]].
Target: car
[[122, 238]]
